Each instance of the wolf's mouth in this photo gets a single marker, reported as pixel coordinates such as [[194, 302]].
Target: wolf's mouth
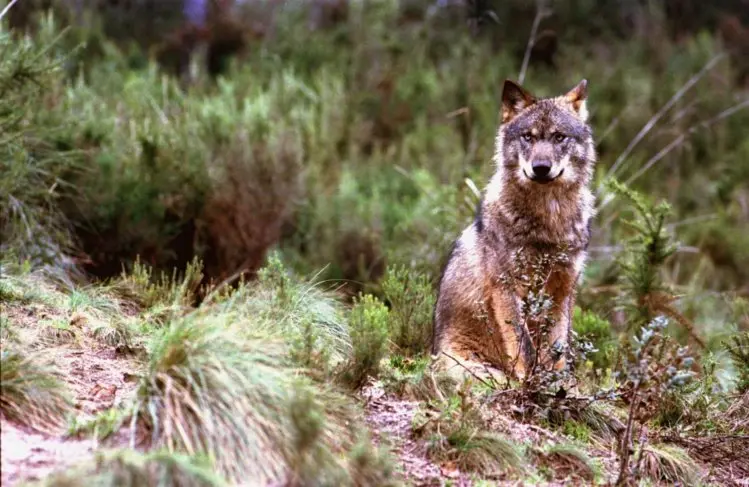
[[543, 180]]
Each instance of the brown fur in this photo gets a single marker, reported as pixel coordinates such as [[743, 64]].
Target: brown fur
[[523, 228]]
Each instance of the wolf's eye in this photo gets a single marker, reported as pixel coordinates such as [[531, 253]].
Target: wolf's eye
[[527, 137], [559, 138]]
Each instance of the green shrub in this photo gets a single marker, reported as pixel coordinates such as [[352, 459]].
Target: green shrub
[[597, 331], [411, 300], [368, 322], [35, 174]]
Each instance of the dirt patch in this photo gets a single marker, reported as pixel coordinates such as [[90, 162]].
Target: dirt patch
[[99, 378], [28, 456]]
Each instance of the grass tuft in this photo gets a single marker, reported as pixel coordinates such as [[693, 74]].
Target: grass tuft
[[456, 433], [225, 388], [568, 462], [30, 392], [482, 452], [670, 464]]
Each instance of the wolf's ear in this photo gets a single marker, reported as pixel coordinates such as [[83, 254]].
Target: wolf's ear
[[514, 100], [577, 97]]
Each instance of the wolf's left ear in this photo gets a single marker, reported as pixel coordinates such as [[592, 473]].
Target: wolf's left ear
[[577, 97], [514, 100]]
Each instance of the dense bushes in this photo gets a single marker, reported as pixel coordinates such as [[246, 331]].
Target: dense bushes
[[364, 167]]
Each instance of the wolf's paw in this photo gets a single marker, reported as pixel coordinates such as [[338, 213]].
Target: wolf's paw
[[460, 368]]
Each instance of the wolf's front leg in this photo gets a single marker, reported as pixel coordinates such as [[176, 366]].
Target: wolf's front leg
[[510, 334], [553, 354]]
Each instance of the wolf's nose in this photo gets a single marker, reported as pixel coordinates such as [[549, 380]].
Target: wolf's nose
[[541, 168]]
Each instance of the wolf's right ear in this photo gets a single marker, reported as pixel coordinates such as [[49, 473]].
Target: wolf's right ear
[[514, 100]]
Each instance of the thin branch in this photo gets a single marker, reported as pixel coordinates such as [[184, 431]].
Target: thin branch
[[614, 123], [655, 118], [541, 13], [7, 8]]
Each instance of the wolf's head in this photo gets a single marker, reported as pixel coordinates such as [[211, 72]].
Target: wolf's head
[[545, 141]]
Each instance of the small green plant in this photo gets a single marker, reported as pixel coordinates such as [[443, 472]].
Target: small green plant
[[30, 392], [738, 349], [307, 350], [653, 366], [645, 294], [175, 293], [101, 426], [576, 430], [411, 300], [597, 331], [415, 378], [368, 325]]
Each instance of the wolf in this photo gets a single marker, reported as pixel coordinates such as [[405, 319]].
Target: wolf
[[507, 291]]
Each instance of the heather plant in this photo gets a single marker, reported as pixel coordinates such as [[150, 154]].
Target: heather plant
[[411, 299], [368, 327]]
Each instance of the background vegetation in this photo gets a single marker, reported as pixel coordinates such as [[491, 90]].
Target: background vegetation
[[151, 165]]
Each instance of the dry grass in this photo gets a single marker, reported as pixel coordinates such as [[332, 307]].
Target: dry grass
[[567, 462], [483, 452], [669, 463]]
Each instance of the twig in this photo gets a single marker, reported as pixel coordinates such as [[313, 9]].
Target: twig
[[612, 125], [655, 118], [541, 13], [7, 8], [436, 387]]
